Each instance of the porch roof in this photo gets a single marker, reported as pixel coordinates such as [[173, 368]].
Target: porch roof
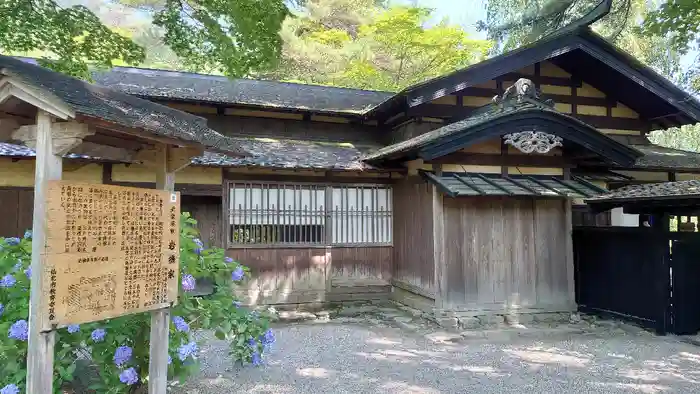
[[668, 197], [478, 184], [513, 114]]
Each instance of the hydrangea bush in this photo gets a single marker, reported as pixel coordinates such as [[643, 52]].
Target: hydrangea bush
[[118, 348]]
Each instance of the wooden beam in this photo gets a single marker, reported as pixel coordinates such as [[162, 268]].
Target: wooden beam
[[117, 142], [41, 99], [487, 159], [65, 136], [160, 319], [107, 173], [179, 158], [543, 80], [40, 353], [104, 152]]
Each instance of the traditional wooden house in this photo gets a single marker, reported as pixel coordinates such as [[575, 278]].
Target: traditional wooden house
[[456, 196]]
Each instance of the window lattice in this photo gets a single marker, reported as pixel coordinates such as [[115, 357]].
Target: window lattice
[[301, 214]]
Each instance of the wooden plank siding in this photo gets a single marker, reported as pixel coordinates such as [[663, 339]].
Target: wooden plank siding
[[16, 207], [413, 234], [505, 254], [314, 275]]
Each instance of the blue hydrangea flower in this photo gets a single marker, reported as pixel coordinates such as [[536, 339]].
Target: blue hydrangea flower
[[237, 274], [28, 272], [73, 328], [228, 260], [188, 282], [28, 234], [268, 337], [2, 309], [19, 330], [10, 389], [180, 324], [12, 241], [8, 281], [122, 355], [256, 359], [129, 376], [186, 350], [200, 246], [170, 360], [252, 342], [237, 304], [98, 335]]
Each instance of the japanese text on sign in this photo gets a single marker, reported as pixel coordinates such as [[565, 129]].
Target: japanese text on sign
[[110, 251]]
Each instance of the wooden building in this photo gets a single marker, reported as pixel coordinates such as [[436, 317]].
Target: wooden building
[[440, 196]]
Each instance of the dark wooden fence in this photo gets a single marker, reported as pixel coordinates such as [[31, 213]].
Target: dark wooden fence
[[623, 271]]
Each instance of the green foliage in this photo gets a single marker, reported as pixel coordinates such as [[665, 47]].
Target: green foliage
[[233, 37], [363, 45], [69, 38], [248, 332]]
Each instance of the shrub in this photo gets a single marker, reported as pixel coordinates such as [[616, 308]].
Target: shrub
[[118, 348]]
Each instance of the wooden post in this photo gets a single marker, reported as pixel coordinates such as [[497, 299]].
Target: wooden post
[[569, 245], [41, 344], [160, 320], [440, 265]]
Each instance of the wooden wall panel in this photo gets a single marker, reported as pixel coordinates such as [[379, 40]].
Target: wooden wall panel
[[413, 234], [207, 211], [504, 253], [16, 207], [361, 263]]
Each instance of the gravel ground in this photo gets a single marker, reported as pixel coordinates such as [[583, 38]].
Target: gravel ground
[[375, 358]]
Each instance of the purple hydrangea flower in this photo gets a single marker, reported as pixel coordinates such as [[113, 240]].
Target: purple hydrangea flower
[[98, 335], [252, 342], [256, 359], [237, 274], [188, 282], [19, 330], [228, 260], [73, 328], [28, 234], [129, 376], [170, 360], [186, 350], [2, 309], [200, 246], [8, 281], [10, 389], [12, 241], [28, 272], [180, 324], [268, 337], [122, 355]]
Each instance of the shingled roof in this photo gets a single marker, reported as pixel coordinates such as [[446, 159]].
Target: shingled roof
[[651, 191], [172, 85], [96, 102], [661, 157]]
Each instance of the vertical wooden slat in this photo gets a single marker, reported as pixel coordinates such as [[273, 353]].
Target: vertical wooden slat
[[439, 248], [40, 352], [160, 319], [568, 222]]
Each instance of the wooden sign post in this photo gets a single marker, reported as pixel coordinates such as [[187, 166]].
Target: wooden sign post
[[99, 252]]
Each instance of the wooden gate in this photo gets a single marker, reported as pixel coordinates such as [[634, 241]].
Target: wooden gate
[[623, 272], [685, 283]]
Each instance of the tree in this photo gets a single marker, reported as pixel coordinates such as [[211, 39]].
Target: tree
[[360, 44], [233, 37]]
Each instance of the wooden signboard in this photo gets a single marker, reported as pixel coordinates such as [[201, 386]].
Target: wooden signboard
[[110, 251]]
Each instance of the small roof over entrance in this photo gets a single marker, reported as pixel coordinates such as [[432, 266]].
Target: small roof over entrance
[[669, 197], [476, 184], [511, 114]]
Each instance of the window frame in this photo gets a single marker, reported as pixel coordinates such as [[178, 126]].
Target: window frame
[[328, 214]]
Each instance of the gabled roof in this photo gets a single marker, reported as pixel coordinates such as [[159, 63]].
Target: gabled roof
[[581, 52], [79, 98], [172, 85], [498, 119]]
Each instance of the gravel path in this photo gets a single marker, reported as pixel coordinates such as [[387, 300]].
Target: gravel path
[[361, 358]]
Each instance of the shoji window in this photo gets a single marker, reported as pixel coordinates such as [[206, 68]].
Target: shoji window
[[269, 214]]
